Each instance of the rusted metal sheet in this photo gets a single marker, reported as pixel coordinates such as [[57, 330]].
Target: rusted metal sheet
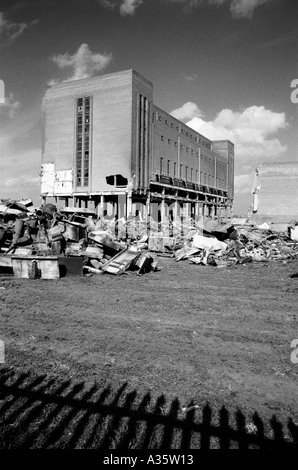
[[122, 261]]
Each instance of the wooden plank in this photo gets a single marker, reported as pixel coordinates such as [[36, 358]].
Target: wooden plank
[[119, 263]]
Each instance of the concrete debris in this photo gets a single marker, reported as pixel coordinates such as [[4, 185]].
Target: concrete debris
[[31, 239], [82, 244]]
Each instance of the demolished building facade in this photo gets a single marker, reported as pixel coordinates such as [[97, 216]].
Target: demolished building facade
[[106, 146], [275, 192]]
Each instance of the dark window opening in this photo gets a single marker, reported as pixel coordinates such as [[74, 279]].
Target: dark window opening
[[116, 180]]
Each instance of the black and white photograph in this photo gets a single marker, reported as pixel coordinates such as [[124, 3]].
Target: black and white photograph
[[148, 227]]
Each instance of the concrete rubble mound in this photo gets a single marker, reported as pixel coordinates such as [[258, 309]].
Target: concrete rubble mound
[[49, 243]]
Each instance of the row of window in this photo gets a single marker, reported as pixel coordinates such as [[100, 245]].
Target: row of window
[[189, 174], [219, 165], [181, 130]]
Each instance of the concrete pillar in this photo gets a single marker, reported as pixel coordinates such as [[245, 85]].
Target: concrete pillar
[[129, 204], [176, 210], [162, 209], [197, 208], [147, 207], [201, 209]]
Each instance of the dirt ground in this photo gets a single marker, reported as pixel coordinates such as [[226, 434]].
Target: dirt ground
[[198, 333]]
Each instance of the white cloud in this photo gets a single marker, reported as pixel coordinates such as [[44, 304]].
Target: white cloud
[[245, 8], [128, 7], [83, 62], [251, 130], [10, 31], [9, 107], [188, 111], [238, 8], [191, 78]]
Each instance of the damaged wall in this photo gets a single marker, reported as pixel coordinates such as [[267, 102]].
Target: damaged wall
[[276, 192]]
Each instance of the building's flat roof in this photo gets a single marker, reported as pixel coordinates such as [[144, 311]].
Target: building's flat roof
[[101, 77]]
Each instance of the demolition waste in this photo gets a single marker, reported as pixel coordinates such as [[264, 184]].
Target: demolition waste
[[49, 243]]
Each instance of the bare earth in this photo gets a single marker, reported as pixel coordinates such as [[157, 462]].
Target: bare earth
[[199, 333]]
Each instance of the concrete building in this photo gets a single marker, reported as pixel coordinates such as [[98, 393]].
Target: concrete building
[[106, 145], [275, 193]]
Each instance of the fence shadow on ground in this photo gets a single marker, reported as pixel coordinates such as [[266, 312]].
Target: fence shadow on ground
[[45, 412]]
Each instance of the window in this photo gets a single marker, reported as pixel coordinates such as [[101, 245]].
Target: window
[[161, 137], [168, 167], [161, 166], [186, 134], [180, 175], [172, 125], [191, 174], [186, 172], [197, 176], [169, 141], [176, 145], [175, 169], [166, 121], [83, 141]]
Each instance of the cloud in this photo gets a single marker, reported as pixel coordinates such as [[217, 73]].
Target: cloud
[[191, 78], [238, 8], [245, 8], [83, 62], [251, 130], [10, 107], [188, 111], [128, 7], [10, 31]]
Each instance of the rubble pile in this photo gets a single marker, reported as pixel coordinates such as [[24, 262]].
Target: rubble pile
[[225, 245], [105, 245], [109, 245]]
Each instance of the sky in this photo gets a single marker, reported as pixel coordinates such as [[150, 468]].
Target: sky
[[224, 67]]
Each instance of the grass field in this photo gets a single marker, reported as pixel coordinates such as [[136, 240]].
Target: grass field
[[175, 339]]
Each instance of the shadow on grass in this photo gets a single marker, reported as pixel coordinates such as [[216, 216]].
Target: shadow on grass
[[45, 412]]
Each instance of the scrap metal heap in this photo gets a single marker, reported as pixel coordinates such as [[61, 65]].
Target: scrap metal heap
[[114, 246]]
